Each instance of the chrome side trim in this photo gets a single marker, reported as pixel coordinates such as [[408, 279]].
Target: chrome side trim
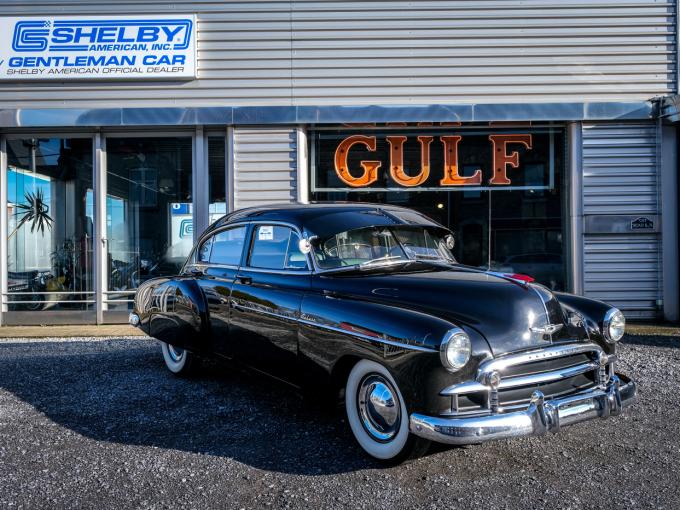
[[367, 338]]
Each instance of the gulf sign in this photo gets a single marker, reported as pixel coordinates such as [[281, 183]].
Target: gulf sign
[[95, 47], [440, 158]]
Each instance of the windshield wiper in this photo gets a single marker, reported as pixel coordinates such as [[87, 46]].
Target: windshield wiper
[[387, 260]]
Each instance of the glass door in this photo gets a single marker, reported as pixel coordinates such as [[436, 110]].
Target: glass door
[[49, 225], [149, 213]]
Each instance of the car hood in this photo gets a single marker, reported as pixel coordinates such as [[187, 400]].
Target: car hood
[[504, 311]]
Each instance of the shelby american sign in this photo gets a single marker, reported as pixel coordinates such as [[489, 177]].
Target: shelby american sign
[[436, 159], [94, 47]]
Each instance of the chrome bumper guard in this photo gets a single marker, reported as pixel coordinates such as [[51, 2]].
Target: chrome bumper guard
[[540, 417]]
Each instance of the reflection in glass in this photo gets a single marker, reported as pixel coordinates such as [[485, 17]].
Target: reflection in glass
[[508, 230], [217, 176], [50, 222], [149, 214]]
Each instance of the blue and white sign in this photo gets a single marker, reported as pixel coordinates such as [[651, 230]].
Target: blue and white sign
[[87, 47]]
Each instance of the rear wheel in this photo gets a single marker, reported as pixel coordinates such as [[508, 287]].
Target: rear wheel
[[179, 361], [377, 414]]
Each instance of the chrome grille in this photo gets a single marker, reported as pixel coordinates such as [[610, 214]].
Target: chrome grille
[[557, 371]]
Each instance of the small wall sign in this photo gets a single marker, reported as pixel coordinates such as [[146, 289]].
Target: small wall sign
[[642, 223]]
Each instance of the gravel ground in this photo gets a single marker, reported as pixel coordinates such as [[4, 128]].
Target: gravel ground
[[102, 423]]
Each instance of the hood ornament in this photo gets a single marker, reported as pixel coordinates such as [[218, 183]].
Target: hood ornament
[[548, 329]]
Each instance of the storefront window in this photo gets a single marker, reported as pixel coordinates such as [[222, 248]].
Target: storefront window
[[217, 177], [149, 214], [50, 224], [499, 190]]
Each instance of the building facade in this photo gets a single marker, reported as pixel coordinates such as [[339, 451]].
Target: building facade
[[542, 133]]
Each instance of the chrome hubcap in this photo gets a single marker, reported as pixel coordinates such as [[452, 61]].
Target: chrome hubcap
[[176, 354], [379, 408]]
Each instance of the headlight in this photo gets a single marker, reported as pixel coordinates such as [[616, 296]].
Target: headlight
[[614, 325], [455, 349]]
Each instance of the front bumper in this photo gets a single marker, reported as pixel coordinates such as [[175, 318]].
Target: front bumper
[[540, 417]]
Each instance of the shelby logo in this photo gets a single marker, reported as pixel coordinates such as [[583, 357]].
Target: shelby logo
[[102, 35], [186, 228]]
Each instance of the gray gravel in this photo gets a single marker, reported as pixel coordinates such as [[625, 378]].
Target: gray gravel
[[101, 423]]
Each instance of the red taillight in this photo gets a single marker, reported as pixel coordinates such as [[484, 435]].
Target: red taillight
[[521, 277]]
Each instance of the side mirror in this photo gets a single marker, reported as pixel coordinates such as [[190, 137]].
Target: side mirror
[[450, 242], [305, 244]]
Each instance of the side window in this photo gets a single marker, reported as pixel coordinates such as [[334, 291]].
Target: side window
[[276, 247], [227, 246], [204, 251]]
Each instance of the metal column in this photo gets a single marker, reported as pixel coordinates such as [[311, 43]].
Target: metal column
[[576, 205], [100, 241], [302, 166], [3, 226], [230, 169], [200, 184], [669, 223]]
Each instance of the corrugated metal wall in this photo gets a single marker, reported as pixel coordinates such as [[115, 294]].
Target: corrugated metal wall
[[382, 52], [265, 166], [620, 178]]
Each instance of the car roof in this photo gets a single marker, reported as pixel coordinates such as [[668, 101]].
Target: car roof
[[327, 218]]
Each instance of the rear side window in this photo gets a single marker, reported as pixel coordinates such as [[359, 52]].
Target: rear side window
[[276, 247], [224, 248]]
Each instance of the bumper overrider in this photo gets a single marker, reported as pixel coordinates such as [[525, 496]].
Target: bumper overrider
[[541, 416]]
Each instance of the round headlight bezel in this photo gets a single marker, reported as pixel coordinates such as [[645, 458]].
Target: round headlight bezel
[[455, 338], [614, 318]]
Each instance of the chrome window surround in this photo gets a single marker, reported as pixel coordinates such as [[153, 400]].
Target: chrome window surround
[[245, 223], [600, 363]]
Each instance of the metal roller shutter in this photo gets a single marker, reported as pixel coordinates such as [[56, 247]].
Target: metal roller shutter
[[265, 166], [620, 178]]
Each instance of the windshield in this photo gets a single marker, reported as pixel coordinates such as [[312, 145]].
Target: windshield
[[377, 246]]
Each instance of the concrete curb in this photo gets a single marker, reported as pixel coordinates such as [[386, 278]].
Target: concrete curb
[[108, 330]]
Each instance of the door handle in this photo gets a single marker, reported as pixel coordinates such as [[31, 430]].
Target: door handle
[[245, 280], [196, 272]]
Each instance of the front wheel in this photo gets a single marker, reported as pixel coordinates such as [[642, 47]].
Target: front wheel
[[179, 361], [377, 414]]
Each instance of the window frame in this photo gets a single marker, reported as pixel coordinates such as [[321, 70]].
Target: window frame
[[211, 237], [285, 270]]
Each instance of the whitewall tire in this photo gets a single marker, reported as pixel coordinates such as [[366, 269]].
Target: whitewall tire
[[377, 414], [179, 361]]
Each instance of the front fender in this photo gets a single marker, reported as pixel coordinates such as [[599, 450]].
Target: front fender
[[405, 341], [592, 311]]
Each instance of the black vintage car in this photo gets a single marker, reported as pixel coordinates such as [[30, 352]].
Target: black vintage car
[[367, 302]]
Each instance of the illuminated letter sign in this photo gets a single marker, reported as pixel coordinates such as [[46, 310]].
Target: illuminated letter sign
[[501, 158], [397, 160], [451, 175], [433, 158], [370, 174]]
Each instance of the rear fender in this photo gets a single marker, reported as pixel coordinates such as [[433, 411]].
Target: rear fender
[[179, 315]]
